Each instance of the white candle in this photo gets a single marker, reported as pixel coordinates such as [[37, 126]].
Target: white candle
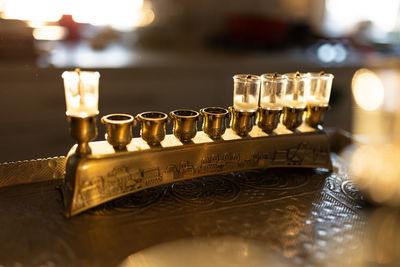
[[274, 103], [81, 93], [245, 102], [294, 103]]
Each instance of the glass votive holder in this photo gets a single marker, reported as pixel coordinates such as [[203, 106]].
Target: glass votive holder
[[81, 93], [319, 91], [297, 85], [273, 86], [294, 101], [246, 92], [317, 97]]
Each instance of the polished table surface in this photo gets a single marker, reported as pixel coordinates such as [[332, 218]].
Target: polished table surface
[[291, 216]]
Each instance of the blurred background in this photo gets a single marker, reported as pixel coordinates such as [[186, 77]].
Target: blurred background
[[168, 54]]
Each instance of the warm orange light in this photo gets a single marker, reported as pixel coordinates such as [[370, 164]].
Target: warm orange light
[[51, 33], [38, 10], [119, 14], [367, 89]]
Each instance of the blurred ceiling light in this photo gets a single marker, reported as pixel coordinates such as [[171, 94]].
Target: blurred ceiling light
[[119, 14], [50, 33], [332, 53], [38, 10], [342, 15], [367, 89]]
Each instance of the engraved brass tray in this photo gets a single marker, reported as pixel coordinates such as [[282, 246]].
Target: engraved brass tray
[[295, 216]]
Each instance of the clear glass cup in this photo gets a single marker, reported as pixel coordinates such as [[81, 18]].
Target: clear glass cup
[[81, 93], [319, 91], [246, 92], [297, 85], [273, 87]]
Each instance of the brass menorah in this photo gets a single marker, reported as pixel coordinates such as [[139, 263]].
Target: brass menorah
[[259, 136]]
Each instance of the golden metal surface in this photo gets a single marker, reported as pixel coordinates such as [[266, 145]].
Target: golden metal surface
[[119, 129], [153, 126], [215, 121], [268, 119], [83, 130], [292, 117], [307, 216], [105, 175], [185, 123], [31, 171], [315, 115], [242, 121]]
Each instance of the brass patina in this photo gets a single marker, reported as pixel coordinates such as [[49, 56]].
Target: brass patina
[[268, 119], [83, 130], [103, 175], [215, 120], [315, 115], [242, 121], [292, 117], [153, 126], [185, 123], [119, 129]]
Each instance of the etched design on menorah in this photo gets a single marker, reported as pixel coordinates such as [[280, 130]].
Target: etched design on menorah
[[124, 179]]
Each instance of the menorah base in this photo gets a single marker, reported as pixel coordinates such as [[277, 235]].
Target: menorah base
[[105, 174]]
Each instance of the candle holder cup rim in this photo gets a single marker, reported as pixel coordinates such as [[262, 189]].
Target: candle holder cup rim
[[271, 76], [215, 111], [118, 118], [82, 115], [318, 75], [297, 75], [244, 112], [73, 72], [252, 78], [152, 116], [184, 113]]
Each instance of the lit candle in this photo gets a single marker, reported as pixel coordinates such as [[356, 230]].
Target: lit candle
[[246, 92], [297, 84], [273, 87], [81, 93], [319, 91]]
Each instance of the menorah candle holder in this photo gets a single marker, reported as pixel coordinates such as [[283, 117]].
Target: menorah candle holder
[[215, 121], [241, 121], [83, 130], [153, 126], [185, 124], [317, 98], [268, 119], [81, 98], [119, 130], [294, 101], [100, 171], [273, 86]]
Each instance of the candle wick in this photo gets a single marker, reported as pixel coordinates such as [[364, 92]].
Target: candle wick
[[80, 87], [272, 98], [296, 86], [247, 89], [318, 91]]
